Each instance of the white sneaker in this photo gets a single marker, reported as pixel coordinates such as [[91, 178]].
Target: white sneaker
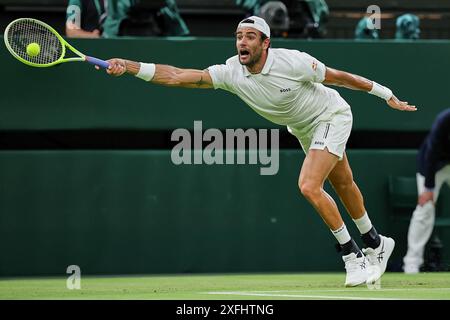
[[378, 258], [356, 269]]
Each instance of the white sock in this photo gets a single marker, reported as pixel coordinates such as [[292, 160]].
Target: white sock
[[364, 224], [341, 234]]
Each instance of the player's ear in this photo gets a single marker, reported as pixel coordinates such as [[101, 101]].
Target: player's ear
[[266, 43]]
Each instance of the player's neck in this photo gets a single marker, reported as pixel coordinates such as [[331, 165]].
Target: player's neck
[[258, 66]]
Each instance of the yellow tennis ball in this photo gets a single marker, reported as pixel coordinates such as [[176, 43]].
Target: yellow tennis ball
[[33, 49]]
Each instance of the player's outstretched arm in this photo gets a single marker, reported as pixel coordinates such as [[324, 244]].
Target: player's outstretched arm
[[162, 74], [355, 82]]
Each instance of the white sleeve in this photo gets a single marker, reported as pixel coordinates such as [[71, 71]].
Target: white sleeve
[[221, 76], [308, 68]]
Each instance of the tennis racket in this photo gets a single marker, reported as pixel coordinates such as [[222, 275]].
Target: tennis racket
[[52, 47]]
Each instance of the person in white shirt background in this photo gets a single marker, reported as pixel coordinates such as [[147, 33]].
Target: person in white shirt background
[[288, 88]]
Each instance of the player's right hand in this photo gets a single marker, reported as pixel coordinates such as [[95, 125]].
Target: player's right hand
[[117, 67]]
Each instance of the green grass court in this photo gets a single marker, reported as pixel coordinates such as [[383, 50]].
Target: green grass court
[[304, 286]]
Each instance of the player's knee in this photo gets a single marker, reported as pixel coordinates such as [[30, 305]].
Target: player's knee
[[309, 189]]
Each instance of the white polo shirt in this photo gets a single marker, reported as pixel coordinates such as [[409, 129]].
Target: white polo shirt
[[288, 91]]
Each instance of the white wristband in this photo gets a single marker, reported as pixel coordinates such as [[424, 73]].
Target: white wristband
[[146, 71], [380, 91]]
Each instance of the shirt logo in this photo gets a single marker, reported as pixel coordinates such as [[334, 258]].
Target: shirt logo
[[285, 90], [320, 143], [314, 65]]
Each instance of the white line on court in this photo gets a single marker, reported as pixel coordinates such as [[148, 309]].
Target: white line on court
[[360, 289], [238, 293]]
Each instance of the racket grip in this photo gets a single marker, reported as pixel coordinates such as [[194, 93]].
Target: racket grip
[[97, 62]]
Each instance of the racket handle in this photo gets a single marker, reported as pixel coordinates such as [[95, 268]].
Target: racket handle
[[97, 62]]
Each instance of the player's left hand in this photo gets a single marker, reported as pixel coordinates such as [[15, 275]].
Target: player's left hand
[[400, 105]]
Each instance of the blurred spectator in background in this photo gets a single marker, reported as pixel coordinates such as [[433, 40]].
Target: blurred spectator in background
[[112, 18], [433, 161], [293, 18], [277, 16], [407, 27], [85, 18], [366, 30], [173, 24], [251, 6], [319, 13], [154, 18]]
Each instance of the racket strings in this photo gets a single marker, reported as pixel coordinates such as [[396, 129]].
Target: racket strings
[[24, 32]]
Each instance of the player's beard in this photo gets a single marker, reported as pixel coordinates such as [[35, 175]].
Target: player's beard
[[254, 59]]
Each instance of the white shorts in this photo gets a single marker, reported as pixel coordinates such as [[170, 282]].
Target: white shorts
[[332, 134]]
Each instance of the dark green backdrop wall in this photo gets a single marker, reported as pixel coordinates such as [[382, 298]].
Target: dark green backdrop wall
[[136, 212]]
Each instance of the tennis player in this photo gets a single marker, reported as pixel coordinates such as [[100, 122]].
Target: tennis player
[[288, 88]]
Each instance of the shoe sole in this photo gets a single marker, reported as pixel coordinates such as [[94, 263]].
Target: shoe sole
[[348, 285]]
